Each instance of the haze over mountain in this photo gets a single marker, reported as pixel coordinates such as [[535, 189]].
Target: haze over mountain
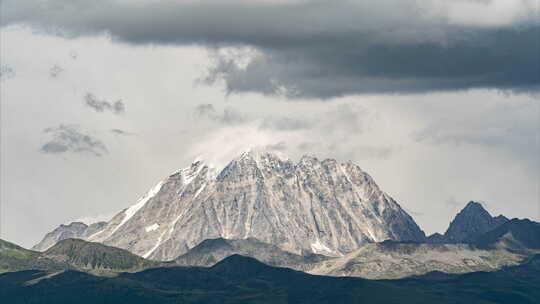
[[312, 206]]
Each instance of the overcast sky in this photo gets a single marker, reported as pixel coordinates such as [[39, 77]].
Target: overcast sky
[[438, 100]]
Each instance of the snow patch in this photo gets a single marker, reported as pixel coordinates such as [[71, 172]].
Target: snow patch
[[201, 188], [128, 214], [319, 247], [152, 227], [146, 255], [189, 174]]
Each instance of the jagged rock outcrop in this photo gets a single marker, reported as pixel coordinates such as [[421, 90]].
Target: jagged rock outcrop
[[312, 206], [471, 222], [72, 230]]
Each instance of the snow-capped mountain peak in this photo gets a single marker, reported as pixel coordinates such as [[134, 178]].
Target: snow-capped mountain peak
[[309, 206]]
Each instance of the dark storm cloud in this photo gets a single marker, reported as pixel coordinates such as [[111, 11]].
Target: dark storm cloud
[[116, 107], [318, 48], [69, 139]]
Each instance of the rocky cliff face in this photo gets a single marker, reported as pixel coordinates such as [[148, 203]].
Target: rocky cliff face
[[73, 230], [471, 222], [312, 206]]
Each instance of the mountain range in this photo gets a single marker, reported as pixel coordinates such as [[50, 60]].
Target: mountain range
[[314, 215], [235, 225]]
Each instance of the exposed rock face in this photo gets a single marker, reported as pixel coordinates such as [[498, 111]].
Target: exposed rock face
[[313, 206], [210, 252], [73, 230], [393, 260], [471, 222]]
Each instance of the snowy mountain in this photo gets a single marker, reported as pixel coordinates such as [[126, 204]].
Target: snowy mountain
[[311, 206]]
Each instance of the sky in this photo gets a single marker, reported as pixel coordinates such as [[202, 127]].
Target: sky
[[437, 100]]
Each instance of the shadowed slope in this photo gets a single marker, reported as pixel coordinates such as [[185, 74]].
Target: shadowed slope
[[239, 279]]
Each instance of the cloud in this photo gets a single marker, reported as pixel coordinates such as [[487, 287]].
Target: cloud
[[511, 126], [55, 71], [229, 115], [73, 55], [116, 107], [277, 147], [286, 123], [6, 72], [358, 151], [67, 138], [121, 132], [323, 49]]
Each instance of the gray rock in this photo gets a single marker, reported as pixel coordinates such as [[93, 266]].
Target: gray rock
[[313, 206], [472, 222], [394, 260]]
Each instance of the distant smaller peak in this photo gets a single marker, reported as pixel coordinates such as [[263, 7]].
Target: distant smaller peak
[[474, 207], [473, 204]]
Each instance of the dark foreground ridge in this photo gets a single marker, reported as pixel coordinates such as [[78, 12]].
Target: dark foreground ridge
[[239, 279]]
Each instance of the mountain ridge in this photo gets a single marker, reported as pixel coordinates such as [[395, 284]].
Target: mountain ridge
[[226, 282]]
